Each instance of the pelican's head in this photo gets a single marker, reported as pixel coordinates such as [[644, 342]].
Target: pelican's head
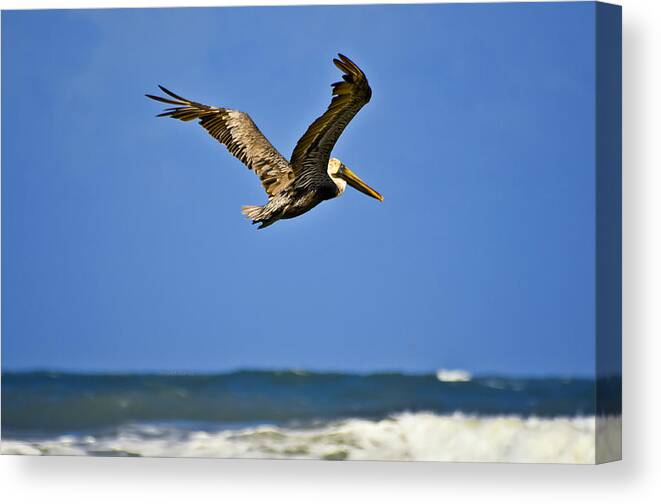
[[342, 175]]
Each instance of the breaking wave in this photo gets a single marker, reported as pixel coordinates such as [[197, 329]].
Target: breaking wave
[[406, 436]]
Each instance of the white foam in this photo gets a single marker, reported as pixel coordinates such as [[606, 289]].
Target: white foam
[[406, 436], [453, 375]]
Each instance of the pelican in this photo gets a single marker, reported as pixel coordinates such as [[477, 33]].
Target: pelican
[[311, 175]]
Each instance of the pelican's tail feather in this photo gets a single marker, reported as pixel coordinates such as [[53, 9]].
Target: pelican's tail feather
[[252, 212], [259, 215]]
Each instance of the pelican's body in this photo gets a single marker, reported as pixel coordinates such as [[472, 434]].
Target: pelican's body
[[311, 176]]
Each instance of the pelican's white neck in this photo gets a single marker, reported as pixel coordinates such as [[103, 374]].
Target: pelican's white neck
[[334, 166]]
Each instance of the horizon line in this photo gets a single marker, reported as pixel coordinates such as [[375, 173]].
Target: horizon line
[[292, 370]]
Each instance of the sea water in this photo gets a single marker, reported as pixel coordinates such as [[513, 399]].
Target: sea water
[[297, 414]]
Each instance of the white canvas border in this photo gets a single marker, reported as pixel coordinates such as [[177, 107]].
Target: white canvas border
[[54, 479]]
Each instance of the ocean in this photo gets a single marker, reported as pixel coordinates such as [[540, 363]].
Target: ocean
[[298, 414]]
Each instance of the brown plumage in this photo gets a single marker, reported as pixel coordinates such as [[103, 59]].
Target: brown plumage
[[311, 176]]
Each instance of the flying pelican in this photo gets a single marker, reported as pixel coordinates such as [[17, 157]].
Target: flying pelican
[[311, 176]]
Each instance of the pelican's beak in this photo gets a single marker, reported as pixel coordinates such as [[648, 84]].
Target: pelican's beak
[[354, 181]]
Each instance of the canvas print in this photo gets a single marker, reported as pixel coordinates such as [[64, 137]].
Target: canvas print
[[368, 232]]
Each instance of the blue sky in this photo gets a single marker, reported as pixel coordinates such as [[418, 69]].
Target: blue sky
[[123, 245]]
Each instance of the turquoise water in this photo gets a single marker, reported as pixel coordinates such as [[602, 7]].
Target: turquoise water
[[61, 402]]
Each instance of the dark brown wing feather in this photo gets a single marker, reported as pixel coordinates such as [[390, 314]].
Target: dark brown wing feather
[[312, 152], [239, 134]]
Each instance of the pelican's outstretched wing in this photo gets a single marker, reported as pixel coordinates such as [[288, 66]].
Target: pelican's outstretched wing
[[312, 152], [239, 133]]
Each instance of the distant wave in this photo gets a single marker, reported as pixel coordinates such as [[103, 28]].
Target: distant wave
[[453, 375], [406, 436]]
